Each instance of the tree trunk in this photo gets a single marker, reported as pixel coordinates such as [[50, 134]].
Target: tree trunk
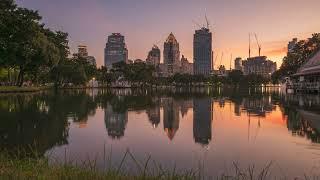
[[20, 77]]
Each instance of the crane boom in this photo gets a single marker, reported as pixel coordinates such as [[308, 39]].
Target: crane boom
[[207, 21], [249, 45], [259, 46]]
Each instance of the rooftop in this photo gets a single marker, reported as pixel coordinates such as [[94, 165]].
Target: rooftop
[[312, 66]]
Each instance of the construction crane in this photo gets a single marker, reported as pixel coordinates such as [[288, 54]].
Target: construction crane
[[259, 46], [196, 23], [207, 21], [230, 61], [249, 45], [221, 60]]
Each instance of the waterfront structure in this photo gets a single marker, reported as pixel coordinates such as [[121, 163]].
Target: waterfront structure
[[186, 66], [171, 55], [238, 64], [308, 76], [116, 50], [260, 66], [83, 53], [154, 56], [202, 51], [221, 71]]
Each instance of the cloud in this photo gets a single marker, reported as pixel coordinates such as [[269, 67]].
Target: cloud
[[277, 51]]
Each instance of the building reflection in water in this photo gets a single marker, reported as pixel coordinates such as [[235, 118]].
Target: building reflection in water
[[202, 118], [170, 116], [154, 115], [115, 122], [258, 106]]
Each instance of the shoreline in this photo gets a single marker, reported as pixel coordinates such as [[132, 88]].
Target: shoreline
[[15, 89]]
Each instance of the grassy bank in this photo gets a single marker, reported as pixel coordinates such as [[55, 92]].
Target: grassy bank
[[40, 168], [15, 89]]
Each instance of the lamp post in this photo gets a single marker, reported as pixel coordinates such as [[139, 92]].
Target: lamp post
[[92, 80]]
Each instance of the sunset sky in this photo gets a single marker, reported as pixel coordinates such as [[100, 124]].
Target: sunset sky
[[148, 22]]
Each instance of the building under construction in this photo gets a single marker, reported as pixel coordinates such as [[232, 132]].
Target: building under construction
[[259, 65]]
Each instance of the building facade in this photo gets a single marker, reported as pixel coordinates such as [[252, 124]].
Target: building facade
[[83, 53], [202, 51], [238, 64], [186, 66], [116, 50], [259, 65], [171, 55], [154, 56]]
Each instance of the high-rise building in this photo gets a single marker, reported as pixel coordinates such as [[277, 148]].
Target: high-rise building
[[154, 56], [116, 50], [171, 55], [186, 66], [83, 53], [238, 64], [202, 51]]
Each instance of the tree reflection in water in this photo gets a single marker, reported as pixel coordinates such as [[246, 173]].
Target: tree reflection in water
[[41, 121]]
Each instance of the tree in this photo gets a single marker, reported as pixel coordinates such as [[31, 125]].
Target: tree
[[235, 77], [299, 55]]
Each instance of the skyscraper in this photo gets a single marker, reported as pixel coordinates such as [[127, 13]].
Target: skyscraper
[[202, 51], [171, 55], [83, 53], [116, 50], [154, 56]]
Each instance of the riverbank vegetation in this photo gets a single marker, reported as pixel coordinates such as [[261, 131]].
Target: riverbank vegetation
[[41, 168]]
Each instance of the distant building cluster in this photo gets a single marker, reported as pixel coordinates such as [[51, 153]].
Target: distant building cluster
[[173, 63], [116, 51], [83, 53]]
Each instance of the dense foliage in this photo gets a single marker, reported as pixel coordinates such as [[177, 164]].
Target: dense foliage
[[299, 55]]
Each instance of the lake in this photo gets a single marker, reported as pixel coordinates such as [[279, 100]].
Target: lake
[[204, 128]]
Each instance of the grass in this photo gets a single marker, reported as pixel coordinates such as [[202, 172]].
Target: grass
[[21, 167]]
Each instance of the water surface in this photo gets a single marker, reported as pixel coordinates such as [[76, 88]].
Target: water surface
[[185, 129]]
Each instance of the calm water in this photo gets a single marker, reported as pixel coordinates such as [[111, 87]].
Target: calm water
[[187, 129]]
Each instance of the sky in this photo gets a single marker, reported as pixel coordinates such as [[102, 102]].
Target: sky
[[148, 22]]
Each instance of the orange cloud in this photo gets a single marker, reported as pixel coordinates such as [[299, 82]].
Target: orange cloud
[[277, 51]]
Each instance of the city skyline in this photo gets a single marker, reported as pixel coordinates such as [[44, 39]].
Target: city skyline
[[145, 23]]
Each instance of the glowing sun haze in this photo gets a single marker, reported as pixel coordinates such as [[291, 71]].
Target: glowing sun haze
[[148, 22]]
